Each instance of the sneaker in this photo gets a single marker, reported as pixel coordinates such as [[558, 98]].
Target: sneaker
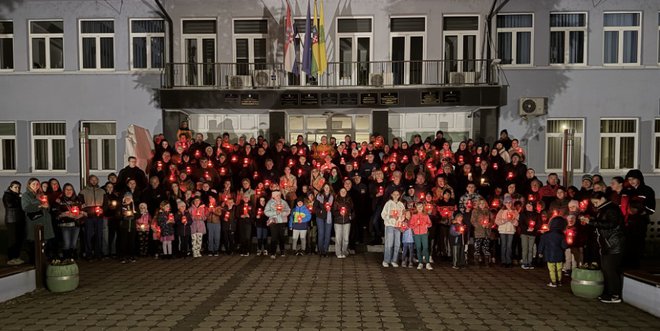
[[386, 265], [133, 260], [551, 284], [258, 252], [395, 265], [13, 262], [420, 266], [282, 255], [410, 264], [429, 267], [431, 259], [216, 254], [524, 267], [613, 299], [273, 257], [530, 267], [455, 267], [123, 261]]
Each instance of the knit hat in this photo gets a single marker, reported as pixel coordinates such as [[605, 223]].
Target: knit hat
[[507, 199], [588, 177]]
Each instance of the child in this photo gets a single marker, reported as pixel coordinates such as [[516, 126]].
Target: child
[[392, 215], [165, 229], [482, 224], [573, 254], [262, 229], [299, 222], [127, 229], [312, 232], [198, 212], [142, 225], [213, 227], [552, 247], [229, 225], [420, 224], [407, 241], [530, 223], [456, 232], [183, 223], [506, 220], [246, 218]]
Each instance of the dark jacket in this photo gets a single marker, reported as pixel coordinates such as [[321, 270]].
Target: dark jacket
[[524, 223], [643, 194], [609, 229], [553, 244], [13, 210], [347, 204]]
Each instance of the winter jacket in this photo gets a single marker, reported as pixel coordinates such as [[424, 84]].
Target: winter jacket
[[643, 194], [272, 213], [456, 237], [506, 221], [321, 211], [553, 244], [420, 223], [12, 203], [609, 229], [392, 212], [478, 218], [166, 227], [344, 205], [524, 223], [183, 229], [32, 206], [300, 217]]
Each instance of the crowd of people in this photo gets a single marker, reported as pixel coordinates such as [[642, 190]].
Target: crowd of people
[[479, 204]]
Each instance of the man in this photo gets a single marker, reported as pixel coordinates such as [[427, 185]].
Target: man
[[439, 140], [549, 191], [198, 146], [92, 196], [641, 205], [131, 171], [153, 195]]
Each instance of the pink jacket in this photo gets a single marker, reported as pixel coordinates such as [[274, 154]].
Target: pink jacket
[[420, 223]]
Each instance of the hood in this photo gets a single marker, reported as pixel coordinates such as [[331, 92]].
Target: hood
[[636, 173], [557, 224]]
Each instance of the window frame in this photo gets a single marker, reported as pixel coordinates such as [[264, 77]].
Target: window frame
[[460, 35], [408, 35], [654, 145], [9, 36], [47, 37], [199, 37], [658, 40], [251, 37], [97, 37], [514, 40], [9, 137], [354, 51], [621, 30], [148, 36], [567, 31], [50, 139], [617, 150], [560, 135]]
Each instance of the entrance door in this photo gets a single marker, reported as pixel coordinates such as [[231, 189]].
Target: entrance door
[[313, 127]]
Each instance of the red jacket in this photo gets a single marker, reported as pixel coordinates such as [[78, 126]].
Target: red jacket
[[419, 223]]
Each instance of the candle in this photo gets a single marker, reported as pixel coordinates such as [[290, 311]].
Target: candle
[[245, 210], [184, 219], [267, 183], [583, 205], [290, 163], [468, 204], [355, 164], [495, 203], [422, 196], [461, 159], [327, 206], [342, 211], [301, 152], [447, 154], [531, 225], [255, 175], [461, 229], [428, 207], [227, 215], [395, 213], [299, 172], [223, 171], [477, 160], [381, 190], [279, 207], [259, 212], [509, 176], [209, 164], [544, 227], [530, 197], [207, 175], [75, 211], [159, 164], [188, 170], [246, 162], [199, 212], [482, 180], [198, 154], [342, 161], [143, 227], [404, 159], [509, 215], [570, 234], [43, 199], [172, 178], [98, 210], [257, 192], [484, 222], [129, 213], [170, 218], [495, 166], [234, 158], [299, 217]]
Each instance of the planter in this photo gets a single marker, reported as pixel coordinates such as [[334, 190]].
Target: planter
[[587, 283], [62, 277]]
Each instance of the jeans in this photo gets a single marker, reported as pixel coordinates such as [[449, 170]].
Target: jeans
[[377, 223], [262, 237], [70, 237], [213, 230], [392, 244], [325, 230], [422, 244], [408, 250], [302, 234], [527, 248], [94, 227], [342, 233], [612, 272], [506, 243]]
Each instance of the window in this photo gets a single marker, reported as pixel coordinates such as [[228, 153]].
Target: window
[[618, 144], [514, 38], [568, 38], [250, 41], [147, 44], [8, 146], [354, 50], [102, 139], [313, 127], [6, 45], [554, 143], [48, 146], [46, 45], [97, 44], [622, 38], [460, 46], [656, 136], [199, 51], [658, 37], [407, 39]]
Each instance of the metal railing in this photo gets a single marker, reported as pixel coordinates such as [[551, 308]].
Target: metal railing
[[338, 74]]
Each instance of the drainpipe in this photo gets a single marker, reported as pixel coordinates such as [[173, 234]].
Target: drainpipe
[[489, 25], [170, 41]]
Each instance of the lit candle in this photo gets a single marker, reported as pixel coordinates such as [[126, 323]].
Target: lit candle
[[299, 172], [207, 175], [255, 175], [422, 196], [404, 159], [188, 170], [75, 211], [477, 160], [223, 171], [246, 162], [484, 222], [495, 203], [245, 210], [279, 207], [209, 164], [234, 158], [381, 190], [544, 227], [461, 229], [395, 213], [509, 176], [355, 164], [342, 211], [129, 213], [267, 183], [461, 159], [259, 212], [531, 225], [342, 161], [495, 166], [98, 210], [290, 163], [159, 164], [227, 215], [170, 218], [583, 205], [172, 178], [43, 199], [327, 206], [184, 219], [530, 197], [468, 204], [198, 154]]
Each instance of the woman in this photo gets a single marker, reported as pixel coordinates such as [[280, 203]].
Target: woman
[[68, 219], [507, 221], [15, 222], [334, 179], [277, 212], [342, 212], [289, 186], [323, 212], [35, 205], [112, 214], [393, 216]]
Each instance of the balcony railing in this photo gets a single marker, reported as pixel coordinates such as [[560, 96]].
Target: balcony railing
[[339, 74]]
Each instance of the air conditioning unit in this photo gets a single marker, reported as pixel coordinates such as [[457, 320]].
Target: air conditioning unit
[[533, 106], [238, 82], [382, 79], [264, 78], [461, 78]]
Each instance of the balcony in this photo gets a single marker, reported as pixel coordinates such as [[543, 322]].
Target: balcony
[[340, 75]]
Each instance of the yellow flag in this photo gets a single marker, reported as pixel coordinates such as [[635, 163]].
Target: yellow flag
[[323, 58]]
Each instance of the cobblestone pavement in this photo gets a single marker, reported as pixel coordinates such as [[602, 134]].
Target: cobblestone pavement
[[310, 293]]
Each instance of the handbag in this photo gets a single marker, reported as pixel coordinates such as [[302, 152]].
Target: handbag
[[33, 216]]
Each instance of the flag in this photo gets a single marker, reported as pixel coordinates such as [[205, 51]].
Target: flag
[[323, 57], [307, 46], [315, 42], [289, 47]]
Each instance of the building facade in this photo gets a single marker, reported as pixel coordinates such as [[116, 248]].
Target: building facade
[[395, 68]]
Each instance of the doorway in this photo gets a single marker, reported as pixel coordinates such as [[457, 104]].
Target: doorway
[[313, 127]]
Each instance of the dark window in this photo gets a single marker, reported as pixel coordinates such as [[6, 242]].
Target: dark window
[[97, 26], [199, 27], [251, 26], [411, 24], [461, 23], [351, 25], [46, 27]]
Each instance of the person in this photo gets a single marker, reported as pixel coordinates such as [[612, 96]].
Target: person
[[528, 225], [142, 225], [15, 222], [198, 214], [277, 211], [131, 172], [262, 229], [551, 247], [165, 228], [35, 205], [457, 234], [481, 222], [229, 224], [392, 214], [93, 202], [127, 229], [420, 222], [407, 241], [573, 253], [68, 219], [245, 221], [323, 212], [506, 220], [641, 199], [299, 222], [609, 224], [213, 227], [111, 218]]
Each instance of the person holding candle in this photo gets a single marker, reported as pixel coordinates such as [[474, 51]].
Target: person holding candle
[[299, 223], [323, 212], [446, 207], [111, 219], [407, 241], [481, 222], [183, 224], [229, 224], [260, 224], [528, 225], [573, 253], [506, 220], [245, 220], [457, 239], [277, 211], [289, 185], [377, 194], [343, 212], [127, 229], [142, 225], [198, 213], [393, 215], [165, 227], [420, 222], [213, 221], [69, 217], [312, 232], [552, 247], [93, 201]]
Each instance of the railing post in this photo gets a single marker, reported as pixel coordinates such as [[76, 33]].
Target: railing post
[[39, 257]]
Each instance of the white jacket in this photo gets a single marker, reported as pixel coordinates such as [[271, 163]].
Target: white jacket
[[392, 212]]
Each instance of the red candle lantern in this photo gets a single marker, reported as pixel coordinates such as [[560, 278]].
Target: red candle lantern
[[188, 170], [267, 183], [98, 210], [207, 175], [310, 207], [495, 166], [246, 162], [301, 152], [199, 212], [172, 178], [468, 204], [245, 210], [260, 212], [198, 154], [355, 164], [461, 229], [299, 172], [583, 205], [530, 197], [279, 207], [395, 213], [461, 159], [43, 199], [234, 158], [209, 164], [381, 190], [159, 164], [509, 215], [447, 154], [184, 219], [509, 176], [255, 175], [484, 222], [227, 215], [327, 206], [495, 203], [404, 159], [545, 227], [342, 161], [531, 225], [422, 196], [223, 171], [477, 160], [342, 211], [170, 218], [428, 207], [290, 163], [75, 211]]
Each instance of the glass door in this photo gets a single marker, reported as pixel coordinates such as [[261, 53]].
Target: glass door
[[354, 58], [200, 59], [407, 56]]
